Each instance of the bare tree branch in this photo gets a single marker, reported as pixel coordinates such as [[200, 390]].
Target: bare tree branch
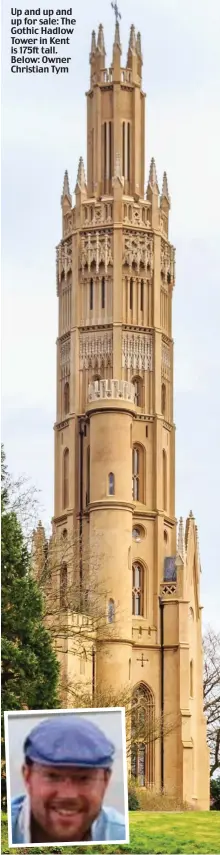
[[211, 694]]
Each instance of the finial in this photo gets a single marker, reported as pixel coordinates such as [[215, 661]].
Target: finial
[[181, 540], [132, 40], [100, 40], [66, 188], [138, 45], [93, 42], [152, 181], [165, 191], [117, 41], [81, 177]]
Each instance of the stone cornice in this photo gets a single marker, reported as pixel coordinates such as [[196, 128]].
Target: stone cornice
[[110, 505]]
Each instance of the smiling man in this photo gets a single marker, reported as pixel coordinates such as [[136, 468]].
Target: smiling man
[[67, 768]]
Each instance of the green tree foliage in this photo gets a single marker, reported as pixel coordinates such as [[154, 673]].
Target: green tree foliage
[[29, 666]]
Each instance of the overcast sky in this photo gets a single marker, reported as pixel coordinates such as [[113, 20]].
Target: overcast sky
[[44, 133]]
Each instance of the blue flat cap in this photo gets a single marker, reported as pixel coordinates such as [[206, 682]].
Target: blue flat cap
[[69, 740]]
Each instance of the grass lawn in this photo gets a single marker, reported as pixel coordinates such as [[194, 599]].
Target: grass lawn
[[156, 833]]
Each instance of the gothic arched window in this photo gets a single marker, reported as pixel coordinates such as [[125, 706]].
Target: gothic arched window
[[131, 293], [143, 736], [164, 464], [66, 478], [88, 475], [138, 385], [103, 292], [142, 296], [63, 586], [111, 484], [163, 399], [91, 295], [66, 398], [138, 473], [137, 589], [111, 611]]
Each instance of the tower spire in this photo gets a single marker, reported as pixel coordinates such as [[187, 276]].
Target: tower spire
[[152, 181], [81, 177], [132, 40], [117, 41], [138, 45], [66, 189], [100, 40], [93, 43]]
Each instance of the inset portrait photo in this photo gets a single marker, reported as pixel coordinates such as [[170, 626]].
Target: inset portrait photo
[[66, 777]]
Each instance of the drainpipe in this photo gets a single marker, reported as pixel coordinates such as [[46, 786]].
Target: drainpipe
[[161, 605], [93, 673], [81, 435]]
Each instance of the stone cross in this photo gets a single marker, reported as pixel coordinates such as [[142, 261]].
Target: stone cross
[[116, 11], [142, 660]]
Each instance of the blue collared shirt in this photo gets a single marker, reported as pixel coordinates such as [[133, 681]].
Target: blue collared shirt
[[109, 825]]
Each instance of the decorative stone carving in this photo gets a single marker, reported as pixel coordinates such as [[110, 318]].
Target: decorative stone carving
[[114, 389], [168, 589], [118, 170], [63, 261], [167, 262], [95, 350], [65, 358], [137, 351], [165, 362], [138, 250], [96, 248], [68, 224]]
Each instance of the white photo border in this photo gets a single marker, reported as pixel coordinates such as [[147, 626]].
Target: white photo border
[[84, 711]]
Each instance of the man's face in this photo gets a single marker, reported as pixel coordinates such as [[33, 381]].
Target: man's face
[[65, 801]]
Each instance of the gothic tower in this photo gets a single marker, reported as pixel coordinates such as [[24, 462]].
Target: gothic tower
[[114, 430]]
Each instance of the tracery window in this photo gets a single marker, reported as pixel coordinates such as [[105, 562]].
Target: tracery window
[[66, 478], [138, 473], [164, 465], [137, 589], [138, 384], [143, 736]]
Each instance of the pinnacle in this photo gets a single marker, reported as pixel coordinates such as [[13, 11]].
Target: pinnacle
[[181, 539], [93, 42], [153, 174], [117, 41], [138, 45], [165, 191], [132, 40], [81, 177], [100, 40], [66, 186]]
